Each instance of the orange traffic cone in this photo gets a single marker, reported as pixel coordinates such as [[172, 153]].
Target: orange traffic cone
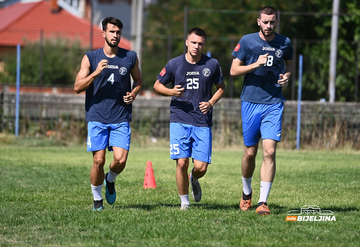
[[149, 180]]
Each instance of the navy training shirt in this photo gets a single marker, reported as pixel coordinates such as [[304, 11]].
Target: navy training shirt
[[104, 98], [198, 80], [260, 85]]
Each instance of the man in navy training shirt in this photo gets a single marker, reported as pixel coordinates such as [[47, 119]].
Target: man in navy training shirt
[[193, 75], [105, 76], [265, 59]]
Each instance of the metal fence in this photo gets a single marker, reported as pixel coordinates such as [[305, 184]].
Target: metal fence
[[62, 116]]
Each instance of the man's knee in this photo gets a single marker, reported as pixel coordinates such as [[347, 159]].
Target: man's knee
[[182, 164], [98, 161]]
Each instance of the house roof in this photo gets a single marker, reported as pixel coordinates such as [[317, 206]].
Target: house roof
[[25, 21]]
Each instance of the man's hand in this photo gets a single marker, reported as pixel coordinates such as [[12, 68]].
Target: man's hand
[[283, 81], [178, 91], [129, 98], [262, 60], [101, 66], [205, 107]]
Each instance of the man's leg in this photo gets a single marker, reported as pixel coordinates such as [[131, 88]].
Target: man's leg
[[119, 162], [197, 172], [199, 169], [182, 181], [97, 178], [116, 167], [247, 170], [267, 174]]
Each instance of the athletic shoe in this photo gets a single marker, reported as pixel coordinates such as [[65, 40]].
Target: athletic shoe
[[110, 192], [185, 207], [195, 188], [98, 205], [262, 209], [245, 202]]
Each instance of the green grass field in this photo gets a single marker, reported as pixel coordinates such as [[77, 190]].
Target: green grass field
[[45, 200]]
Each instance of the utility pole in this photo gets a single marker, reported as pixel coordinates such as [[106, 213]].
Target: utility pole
[[186, 16], [333, 50], [137, 9]]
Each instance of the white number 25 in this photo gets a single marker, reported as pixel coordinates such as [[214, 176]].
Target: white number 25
[[192, 83], [174, 149]]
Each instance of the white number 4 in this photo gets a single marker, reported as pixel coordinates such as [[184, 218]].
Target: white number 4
[[111, 78], [174, 149], [89, 142]]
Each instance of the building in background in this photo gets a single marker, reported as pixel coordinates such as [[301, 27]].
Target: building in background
[[36, 20]]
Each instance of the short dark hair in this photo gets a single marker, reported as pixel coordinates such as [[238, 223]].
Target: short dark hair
[[268, 10], [111, 20], [198, 31]]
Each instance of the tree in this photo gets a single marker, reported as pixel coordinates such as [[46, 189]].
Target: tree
[[306, 22], [61, 61]]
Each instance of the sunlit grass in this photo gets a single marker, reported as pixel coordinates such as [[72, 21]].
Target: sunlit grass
[[46, 200]]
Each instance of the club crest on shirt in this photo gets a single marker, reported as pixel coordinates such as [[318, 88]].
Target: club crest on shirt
[[206, 72], [122, 71], [237, 47], [278, 53]]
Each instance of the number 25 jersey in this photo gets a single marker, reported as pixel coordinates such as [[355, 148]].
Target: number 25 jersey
[[197, 80]]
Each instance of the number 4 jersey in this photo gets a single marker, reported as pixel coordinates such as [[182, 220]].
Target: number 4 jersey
[[197, 80], [260, 85], [104, 98]]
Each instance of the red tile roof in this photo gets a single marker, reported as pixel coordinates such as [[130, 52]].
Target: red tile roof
[[26, 20]]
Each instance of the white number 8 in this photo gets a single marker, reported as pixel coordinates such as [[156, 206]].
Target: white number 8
[[270, 61]]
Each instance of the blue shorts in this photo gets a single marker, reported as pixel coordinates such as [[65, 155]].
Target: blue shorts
[[102, 136], [190, 141], [261, 120]]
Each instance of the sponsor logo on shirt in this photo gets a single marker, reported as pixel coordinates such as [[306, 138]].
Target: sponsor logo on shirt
[[163, 72], [268, 49], [237, 47], [112, 66], [192, 73]]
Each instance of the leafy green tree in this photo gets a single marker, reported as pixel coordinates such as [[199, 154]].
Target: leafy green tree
[[61, 61], [306, 22], [316, 55]]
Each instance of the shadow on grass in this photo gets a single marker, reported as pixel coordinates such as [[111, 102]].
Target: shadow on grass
[[206, 206], [149, 207], [274, 208]]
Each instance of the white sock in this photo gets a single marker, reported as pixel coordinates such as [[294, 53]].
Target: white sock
[[111, 176], [247, 185], [264, 191], [96, 190], [184, 199]]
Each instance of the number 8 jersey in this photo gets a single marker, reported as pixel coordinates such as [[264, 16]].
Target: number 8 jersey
[[260, 85], [198, 80]]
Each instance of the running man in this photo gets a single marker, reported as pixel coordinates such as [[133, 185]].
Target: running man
[[265, 59], [105, 76], [193, 75]]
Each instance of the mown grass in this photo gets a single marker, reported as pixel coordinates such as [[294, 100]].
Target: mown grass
[[45, 200]]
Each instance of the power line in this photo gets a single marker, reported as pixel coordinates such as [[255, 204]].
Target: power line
[[282, 12]]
